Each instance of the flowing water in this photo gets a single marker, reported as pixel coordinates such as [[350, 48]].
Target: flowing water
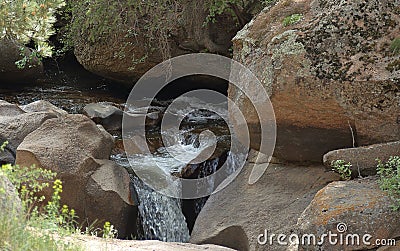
[[160, 217], [163, 217]]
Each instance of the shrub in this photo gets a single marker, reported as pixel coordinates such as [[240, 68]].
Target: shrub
[[3, 146], [37, 229], [395, 46], [342, 168], [292, 19], [26, 21], [389, 178]]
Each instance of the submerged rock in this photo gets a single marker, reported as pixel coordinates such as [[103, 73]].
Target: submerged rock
[[331, 74], [356, 207]]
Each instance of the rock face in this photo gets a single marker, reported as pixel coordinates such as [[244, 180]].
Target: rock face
[[350, 207], [9, 73], [15, 125], [127, 54], [332, 76], [364, 159], [10, 203], [238, 214], [76, 149]]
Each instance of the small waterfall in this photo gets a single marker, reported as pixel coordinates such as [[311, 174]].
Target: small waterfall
[[201, 133], [161, 216]]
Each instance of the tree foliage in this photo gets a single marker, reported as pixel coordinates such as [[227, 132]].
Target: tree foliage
[[29, 20]]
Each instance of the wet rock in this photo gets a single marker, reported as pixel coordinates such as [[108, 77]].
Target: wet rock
[[134, 145], [326, 74], [43, 106], [14, 128], [71, 146], [350, 207], [134, 118], [109, 116], [364, 159], [238, 214], [10, 203], [10, 53]]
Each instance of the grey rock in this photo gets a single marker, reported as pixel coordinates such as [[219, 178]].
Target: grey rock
[[15, 128], [43, 106], [364, 159], [76, 149], [109, 116]]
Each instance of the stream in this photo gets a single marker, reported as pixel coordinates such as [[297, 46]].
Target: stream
[[160, 217]]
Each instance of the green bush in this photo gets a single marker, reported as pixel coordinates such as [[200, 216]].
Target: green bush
[[292, 19], [395, 46], [389, 178], [37, 228], [40, 227], [342, 168], [26, 21], [3, 146]]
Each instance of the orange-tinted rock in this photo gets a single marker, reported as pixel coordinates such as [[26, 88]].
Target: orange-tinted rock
[[327, 75], [360, 205]]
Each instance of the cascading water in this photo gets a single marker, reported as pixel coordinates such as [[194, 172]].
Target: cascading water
[[161, 217]]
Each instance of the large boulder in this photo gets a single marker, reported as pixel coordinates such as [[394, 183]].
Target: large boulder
[[12, 52], [357, 208], [139, 44], [15, 125], [73, 146], [238, 214], [331, 72], [364, 159]]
